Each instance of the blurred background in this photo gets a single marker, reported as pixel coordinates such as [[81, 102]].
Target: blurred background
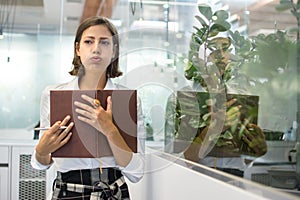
[[36, 50], [36, 45]]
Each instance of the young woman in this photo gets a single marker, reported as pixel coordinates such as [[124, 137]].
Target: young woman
[[96, 51]]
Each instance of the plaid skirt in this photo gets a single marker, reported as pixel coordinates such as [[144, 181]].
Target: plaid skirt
[[90, 184]]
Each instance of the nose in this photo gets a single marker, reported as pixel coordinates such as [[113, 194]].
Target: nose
[[221, 53], [97, 48]]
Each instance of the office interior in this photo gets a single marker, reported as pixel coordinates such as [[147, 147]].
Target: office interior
[[36, 50]]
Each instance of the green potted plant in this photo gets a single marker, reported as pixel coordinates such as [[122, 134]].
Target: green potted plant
[[212, 45]]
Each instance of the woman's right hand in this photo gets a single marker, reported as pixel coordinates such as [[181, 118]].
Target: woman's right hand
[[232, 115], [54, 138]]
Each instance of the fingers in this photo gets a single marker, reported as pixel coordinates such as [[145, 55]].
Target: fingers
[[65, 120], [109, 104], [233, 117], [86, 116], [93, 113], [255, 138], [58, 124], [230, 102], [233, 111], [250, 130], [55, 137], [258, 145], [256, 129], [55, 127], [95, 103], [85, 111], [69, 127], [66, 139], [62, 133], [249, 138], [65, 135], [88, 112]]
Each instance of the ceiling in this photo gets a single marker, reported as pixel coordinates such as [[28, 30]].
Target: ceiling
[[46, 16]]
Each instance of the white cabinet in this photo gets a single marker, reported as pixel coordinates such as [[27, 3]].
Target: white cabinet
[[18, 180], [26, 182], [4, 173], [4, 178]]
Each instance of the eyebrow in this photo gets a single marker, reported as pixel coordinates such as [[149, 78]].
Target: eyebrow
[[92, 37]]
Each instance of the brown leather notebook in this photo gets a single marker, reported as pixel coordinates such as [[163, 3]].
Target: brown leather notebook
[[194, 118], [86, 141]]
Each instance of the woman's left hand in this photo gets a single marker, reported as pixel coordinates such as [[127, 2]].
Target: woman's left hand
[[101, 119], [255, 138], [95, 115]]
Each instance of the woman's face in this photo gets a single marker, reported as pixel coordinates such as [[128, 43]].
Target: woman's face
[[96, 49], [221, 54]]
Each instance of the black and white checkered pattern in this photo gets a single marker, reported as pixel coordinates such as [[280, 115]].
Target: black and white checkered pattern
[[90, 184]]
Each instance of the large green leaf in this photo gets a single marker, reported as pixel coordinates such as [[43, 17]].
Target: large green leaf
[[213, 33], [243, 47], [202, 21], [190, 70], [206, 11], [220, 27], [201, 33], [221, 15]]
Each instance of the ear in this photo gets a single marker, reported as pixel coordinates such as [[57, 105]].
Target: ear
[[77, 48]]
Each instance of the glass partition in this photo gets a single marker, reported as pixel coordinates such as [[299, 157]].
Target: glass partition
[[155, 48]]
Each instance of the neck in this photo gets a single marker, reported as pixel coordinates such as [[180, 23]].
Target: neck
[[92, 81]]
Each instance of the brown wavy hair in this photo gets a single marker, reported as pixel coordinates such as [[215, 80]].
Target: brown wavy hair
[[112, 70]]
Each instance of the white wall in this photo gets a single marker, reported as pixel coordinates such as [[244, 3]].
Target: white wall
[[165, 180]]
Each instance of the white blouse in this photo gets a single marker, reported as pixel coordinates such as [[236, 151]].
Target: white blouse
[[133, 171]]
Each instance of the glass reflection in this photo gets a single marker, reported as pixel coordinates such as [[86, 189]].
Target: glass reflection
[[40, 54]]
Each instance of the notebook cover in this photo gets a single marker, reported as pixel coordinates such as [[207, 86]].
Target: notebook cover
[[86, 141], [193, 106]]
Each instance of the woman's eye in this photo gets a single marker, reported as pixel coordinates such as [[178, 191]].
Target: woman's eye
[[105, 42], [88, 42]]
